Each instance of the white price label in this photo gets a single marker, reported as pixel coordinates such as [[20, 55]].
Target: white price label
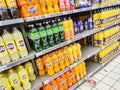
[[46, 82], [1, 23]]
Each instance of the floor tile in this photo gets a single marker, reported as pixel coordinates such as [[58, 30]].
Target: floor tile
[[94, 88], [113, 75], [116, 70], [96, 80], [99, 76], [118, 66], [104, 71], [77, 89], [109, 68], [113, 89], [108, 81], [102, 86], [85, 87], [113, 63], [117, 86]]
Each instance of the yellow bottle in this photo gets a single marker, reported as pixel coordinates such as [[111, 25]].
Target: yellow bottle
[[74, 49], [78, 49], [10, 44], [100, 39], [14, 80], [81, 71], [96, 39], [4, 57], [71, 59], [30, 69], [42, 72], [84, 68], [76, 69], [17, 35], [24, 77], [71, 30], [4, 82]]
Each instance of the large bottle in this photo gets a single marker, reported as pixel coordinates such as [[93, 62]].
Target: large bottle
[[4, 57], [30, 69], [14, 80], [55, 6], [70, 22], [49, 6], [4, 82], [43, 6], [17, 35], [24, 77], [10, 44]]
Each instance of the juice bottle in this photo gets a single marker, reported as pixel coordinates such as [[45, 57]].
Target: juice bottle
[[41, 72], [61, 31], [62, 82], [81, 71], [55, 61], [43, 37], [62, 5], [14, 80], [10, 44], [61, 59], [84, 68], [66, 29], [30, 70], [76, 69], [24, 77], [11, 3], [17, 35], [55, 6], [50, 9], [100, 39], [105, 36], [39, 62], [4, 82], [67, 5], [70, 22], [56, 32], [95, 39], [69, 78], [79, 53], [95, 18], [66, 56], [43, 5], [74, 49], [50, 34], [72, 4], [71, 59], [4, 57], [48, 64]]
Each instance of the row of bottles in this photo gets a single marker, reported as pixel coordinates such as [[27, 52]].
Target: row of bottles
[[106, 53], [49, 33], [55, 61], [107, 36], [67, 79], [12, 46], [18, 78], [105, 17], [103, 2]]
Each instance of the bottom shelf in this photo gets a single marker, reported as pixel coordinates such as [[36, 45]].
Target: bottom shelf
[[92, 68]]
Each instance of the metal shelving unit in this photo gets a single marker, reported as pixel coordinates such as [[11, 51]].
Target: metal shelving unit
[[92, 68]]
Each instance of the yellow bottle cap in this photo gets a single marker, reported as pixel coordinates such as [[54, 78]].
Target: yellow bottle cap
[[11, 70]]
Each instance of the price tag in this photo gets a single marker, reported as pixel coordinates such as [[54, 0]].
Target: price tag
[[2, 68], [1, 23], [46, 82]]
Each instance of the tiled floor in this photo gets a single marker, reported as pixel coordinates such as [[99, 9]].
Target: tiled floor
[[108, 78]]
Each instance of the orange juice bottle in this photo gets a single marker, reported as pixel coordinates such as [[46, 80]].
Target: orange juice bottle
[[39, 63], [69, 78], [84, 68], [74, 49], [79, 53], [76, 69], [70, 23], [71, 59], [66, 29], [43, 5], [55, 61], [61, 58], [66, 56], [55, 6], [49, 6], [81, 71], [42, 72], [48, 64]]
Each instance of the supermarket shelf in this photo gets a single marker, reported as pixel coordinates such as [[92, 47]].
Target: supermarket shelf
[[17, 62], [36, 84], [11, 21], [77, 37], [92, 68], [29, 19]]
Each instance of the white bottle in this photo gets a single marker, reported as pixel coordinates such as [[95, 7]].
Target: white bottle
[[4, 57], [10, 44], [17, 35]]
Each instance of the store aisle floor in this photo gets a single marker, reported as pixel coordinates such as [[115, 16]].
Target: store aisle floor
[[108, 78]]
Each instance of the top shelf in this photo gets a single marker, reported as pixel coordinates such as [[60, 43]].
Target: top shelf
[[35, 18]]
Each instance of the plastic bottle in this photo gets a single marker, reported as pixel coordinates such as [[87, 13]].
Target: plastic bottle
[[76, 29], [4, 56], [76, 69], [4, 82], [49, 4], [10, 44], [71, 59], [30, 69], [55, 6], [39, 62], [100, 39], [62, 5], [70, 22], [20, 43], [14, 80], [81, 71], [24, 77], [67, 5], [66, 29], [74, 51], [79, 53], [95, 39], [50, 34], [72, 4], [43, 5]]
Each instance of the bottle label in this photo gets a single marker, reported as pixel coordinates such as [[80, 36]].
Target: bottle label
[[2, 87], [11, 47], [20, 44], [32, 9], [43, 34], [24, 77], [62, 83], [34, 36], [15, 81], [56, 30], [49, 32], [71, 77], [61, 28], [55, 61], [3, 51]]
